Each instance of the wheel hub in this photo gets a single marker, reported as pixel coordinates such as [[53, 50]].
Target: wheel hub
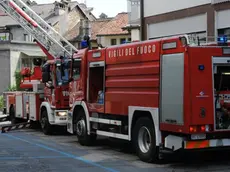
[[144, 139], [81, 127], [43, 121]]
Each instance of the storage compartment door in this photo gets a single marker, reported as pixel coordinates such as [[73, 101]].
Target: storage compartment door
[[19, 107], [32, 107], [172, 88]]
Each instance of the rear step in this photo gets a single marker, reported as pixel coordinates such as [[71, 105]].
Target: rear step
[[4, 119], [19, 126]]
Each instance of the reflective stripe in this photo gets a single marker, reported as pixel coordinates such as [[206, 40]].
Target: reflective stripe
[[197, 144]]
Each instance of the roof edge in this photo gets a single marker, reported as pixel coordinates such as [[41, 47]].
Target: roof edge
[[113, 34]]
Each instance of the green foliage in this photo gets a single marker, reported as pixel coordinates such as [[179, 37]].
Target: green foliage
[[16, 87], [12, 88], [18, 78]]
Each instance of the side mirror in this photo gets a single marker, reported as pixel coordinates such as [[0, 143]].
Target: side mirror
[[45, 77]]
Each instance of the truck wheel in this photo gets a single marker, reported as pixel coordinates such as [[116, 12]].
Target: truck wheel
[[81, 130], [144, 140], [45, 125]]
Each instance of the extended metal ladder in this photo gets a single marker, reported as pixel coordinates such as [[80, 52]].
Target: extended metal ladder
[[40, 30]]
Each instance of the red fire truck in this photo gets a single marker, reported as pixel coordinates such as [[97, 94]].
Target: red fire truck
[[45, 103], [160, 94]]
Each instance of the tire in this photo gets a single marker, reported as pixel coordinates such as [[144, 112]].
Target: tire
[[147, 152], [45, 125], [81, 130]]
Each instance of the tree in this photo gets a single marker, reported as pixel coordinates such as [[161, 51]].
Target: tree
[[103, 16]]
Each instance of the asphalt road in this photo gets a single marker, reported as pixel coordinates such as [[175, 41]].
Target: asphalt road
[[32, 151]]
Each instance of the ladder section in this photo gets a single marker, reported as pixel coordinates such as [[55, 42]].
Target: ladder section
[[46, 35]]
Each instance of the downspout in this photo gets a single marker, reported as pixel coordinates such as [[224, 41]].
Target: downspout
[[142, 23]]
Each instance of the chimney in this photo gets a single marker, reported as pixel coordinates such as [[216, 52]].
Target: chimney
[[81, 31], [84, 28], [61, 7]]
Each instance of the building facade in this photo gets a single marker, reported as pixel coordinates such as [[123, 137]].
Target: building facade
[[103, 32], [112, 33], [206, 19]]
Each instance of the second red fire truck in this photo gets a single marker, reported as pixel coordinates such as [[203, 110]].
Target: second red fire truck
[[47, 103]]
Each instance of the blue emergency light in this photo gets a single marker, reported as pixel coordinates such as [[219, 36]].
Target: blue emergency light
[[125, 42], [201, 67], [84, 44], [222, 40]]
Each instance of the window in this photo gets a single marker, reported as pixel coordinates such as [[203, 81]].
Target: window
[[26, 37], [62, 72], [213, 2], [201, 35], [4, 36], [122, 40], [192, 37], [113, 42], [76, 69], [129, 39], [225, 31]]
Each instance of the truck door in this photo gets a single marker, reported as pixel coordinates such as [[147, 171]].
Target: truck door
[[96, 87]]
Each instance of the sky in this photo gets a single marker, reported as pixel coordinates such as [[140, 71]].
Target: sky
[[109, 7]]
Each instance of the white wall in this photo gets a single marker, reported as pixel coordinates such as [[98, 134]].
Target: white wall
[[14, 64], [18, 34], [222, 19], [155, 7], [135, 35], [192, 24]]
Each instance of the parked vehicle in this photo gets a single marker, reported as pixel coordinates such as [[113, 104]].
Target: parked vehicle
[[159, 94], [46, 103]]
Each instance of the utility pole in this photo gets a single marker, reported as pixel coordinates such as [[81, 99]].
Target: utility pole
[[142, 29]]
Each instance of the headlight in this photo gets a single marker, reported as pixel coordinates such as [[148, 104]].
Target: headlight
[[61, 113]]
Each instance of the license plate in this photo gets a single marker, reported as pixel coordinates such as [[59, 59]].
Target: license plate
[[198, 136], [62, 118], [219, 143]]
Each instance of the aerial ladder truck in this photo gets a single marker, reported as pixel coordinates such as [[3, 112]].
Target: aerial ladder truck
[[45, 99]]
